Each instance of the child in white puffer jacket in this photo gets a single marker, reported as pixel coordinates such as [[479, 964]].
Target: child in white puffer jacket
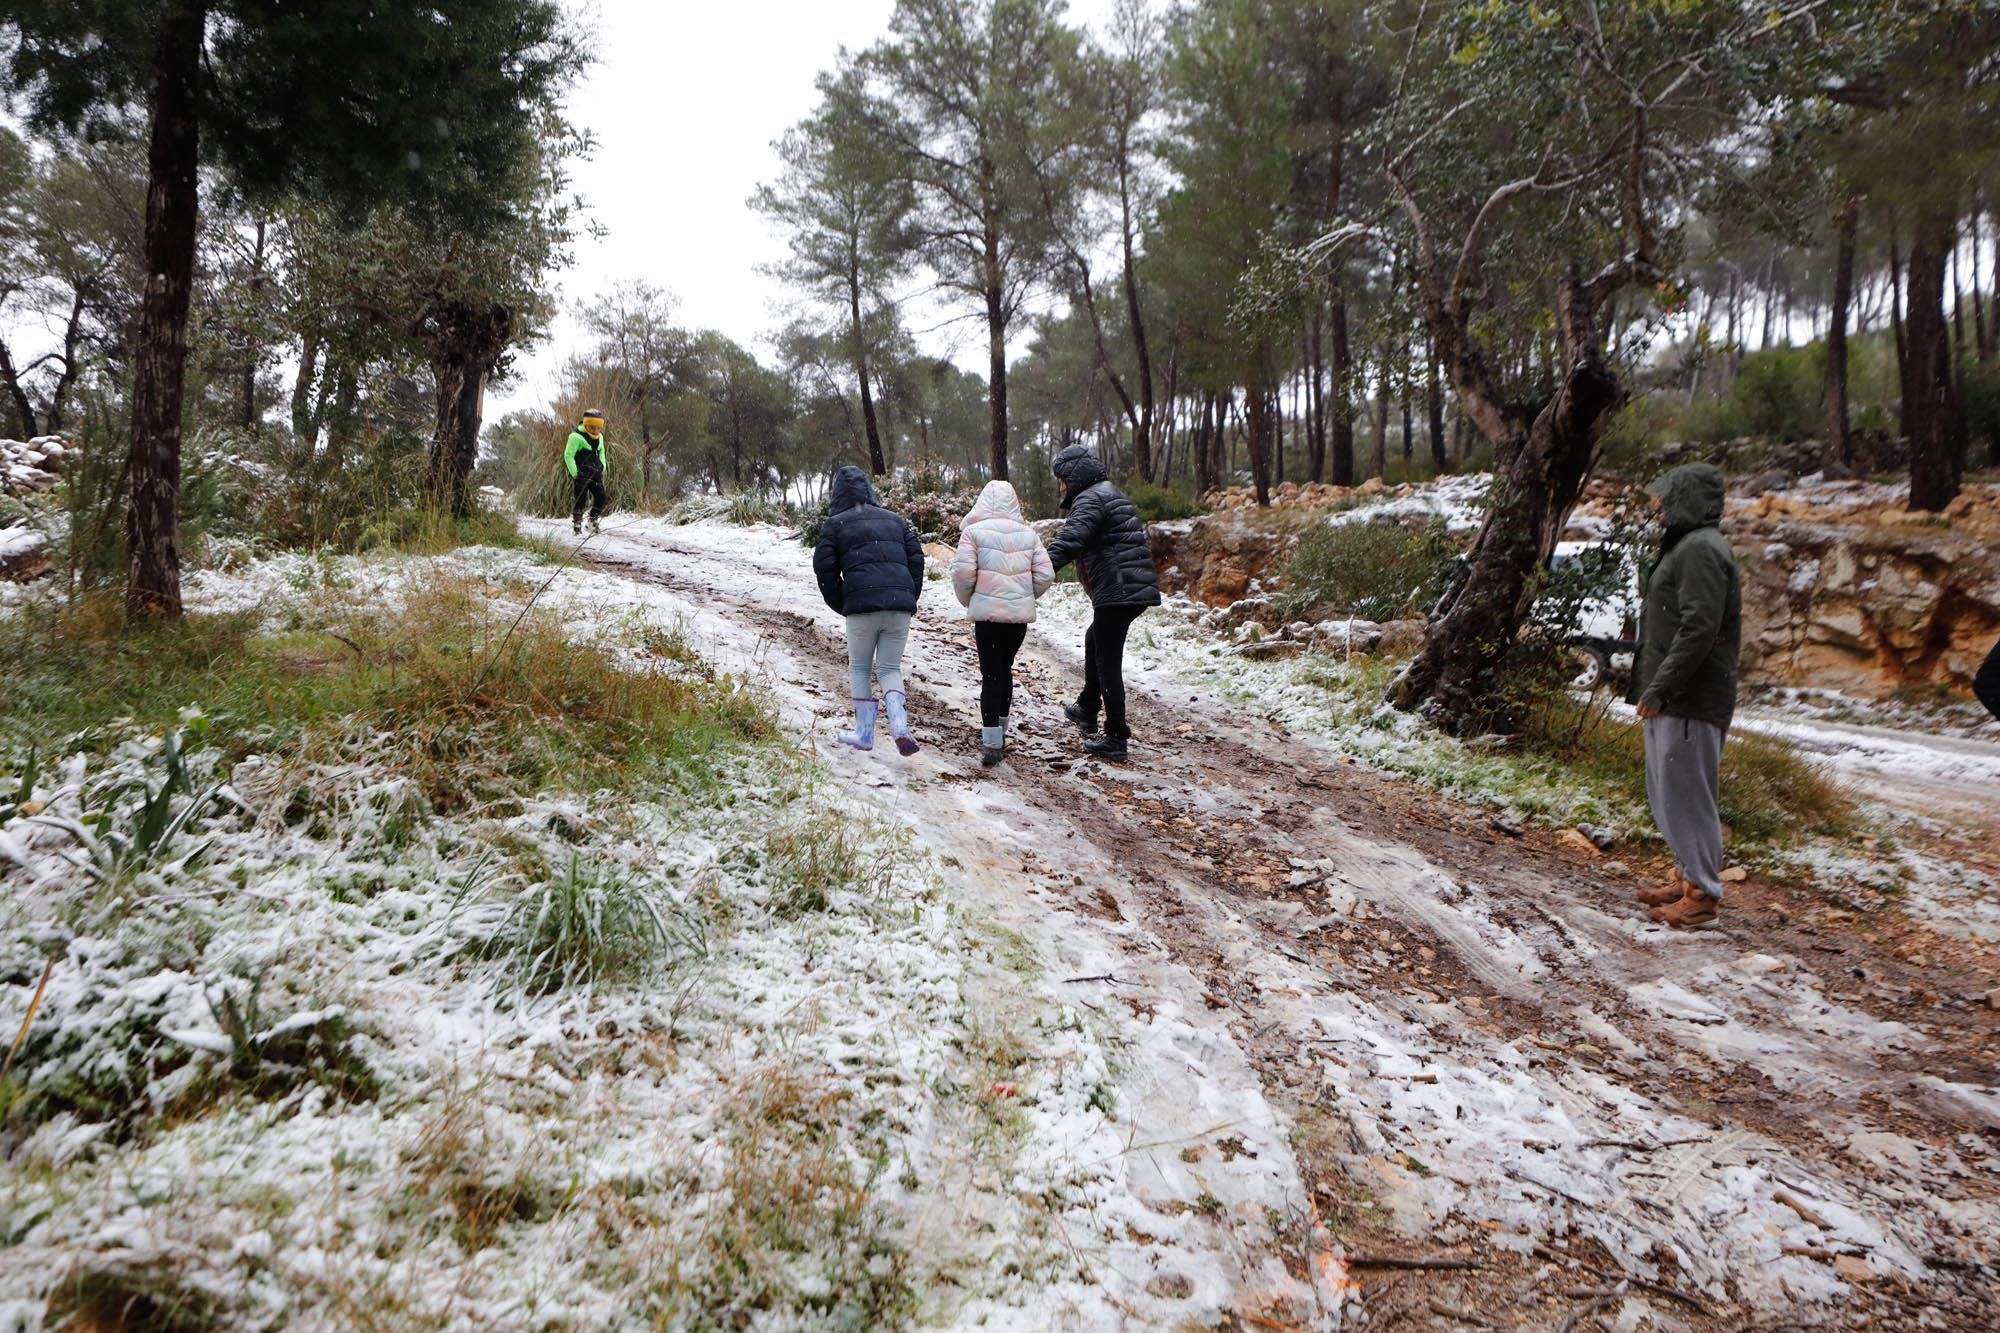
[[1000, 570]]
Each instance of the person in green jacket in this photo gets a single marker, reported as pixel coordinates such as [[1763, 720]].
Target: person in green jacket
[[584, 457], [1690, 633]]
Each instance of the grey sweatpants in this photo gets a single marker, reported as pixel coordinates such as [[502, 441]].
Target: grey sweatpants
[[1683, 783], [877, 639]]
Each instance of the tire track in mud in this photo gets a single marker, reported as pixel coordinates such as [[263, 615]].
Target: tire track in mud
[[1289, 882]]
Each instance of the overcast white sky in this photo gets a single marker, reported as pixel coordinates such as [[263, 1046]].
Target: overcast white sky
[[685, 101]]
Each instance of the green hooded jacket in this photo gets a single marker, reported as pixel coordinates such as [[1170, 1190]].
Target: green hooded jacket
[[579, 443], [1691, 625]]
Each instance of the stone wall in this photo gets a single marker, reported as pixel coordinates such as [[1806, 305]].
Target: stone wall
[[1868, 599]]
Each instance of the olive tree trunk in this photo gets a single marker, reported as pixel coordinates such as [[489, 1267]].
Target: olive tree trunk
[[152, 522], [466, 345]]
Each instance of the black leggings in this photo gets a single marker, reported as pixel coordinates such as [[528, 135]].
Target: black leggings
[[1104, 667], [589, 490], [998, 643]]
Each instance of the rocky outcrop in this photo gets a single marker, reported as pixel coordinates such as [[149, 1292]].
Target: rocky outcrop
[[1866, 598], [1843, 588]]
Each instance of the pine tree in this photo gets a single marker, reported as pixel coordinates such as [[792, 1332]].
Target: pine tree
[[350, 101]]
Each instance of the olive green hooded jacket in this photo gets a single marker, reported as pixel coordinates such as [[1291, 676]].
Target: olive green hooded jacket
[[1691, 624]]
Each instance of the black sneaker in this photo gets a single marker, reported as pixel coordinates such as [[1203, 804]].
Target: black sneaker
[[1085, 722], [1106, 748]]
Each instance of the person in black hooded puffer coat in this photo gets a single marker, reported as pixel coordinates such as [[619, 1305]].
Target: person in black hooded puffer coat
[[870, 568], [1106, 538]]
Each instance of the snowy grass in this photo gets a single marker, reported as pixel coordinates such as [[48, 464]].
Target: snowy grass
[[446, 1027], [525, 977]]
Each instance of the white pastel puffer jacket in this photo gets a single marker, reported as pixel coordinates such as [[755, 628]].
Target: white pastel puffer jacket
[[1002, 566]]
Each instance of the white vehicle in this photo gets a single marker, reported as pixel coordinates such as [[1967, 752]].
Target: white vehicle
[[1606, 642]]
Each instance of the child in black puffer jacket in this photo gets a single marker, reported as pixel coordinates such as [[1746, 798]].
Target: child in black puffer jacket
[[1106, 538], [870, 568]]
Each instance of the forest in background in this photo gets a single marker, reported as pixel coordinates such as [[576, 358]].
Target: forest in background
[[1241, 241]]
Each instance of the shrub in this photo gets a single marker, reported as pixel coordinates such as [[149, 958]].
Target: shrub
[[746, 509], [1379, 571], [1160, 504]]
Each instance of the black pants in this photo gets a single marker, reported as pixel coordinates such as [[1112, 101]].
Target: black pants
[[998, 645], [1104, 667], [1987, 683], [589, 490]]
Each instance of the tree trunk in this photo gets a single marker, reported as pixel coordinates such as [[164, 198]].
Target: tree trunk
[[1142, 437], [1381, 461], [253, 351], [152, 523], [1838, 436], [1256, 411], [876, 464], [1316, 397], [303, 425], [1340, 423], [1981, 329], [466, 344], [1434, 402], [1902, 334], [1278, 436], [1204, 454], [24, 410], [72, 366], [996, 324], [1927, 408], [1540, 461]]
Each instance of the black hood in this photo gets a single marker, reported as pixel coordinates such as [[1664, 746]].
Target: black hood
[[1078, 469], [850, 488]]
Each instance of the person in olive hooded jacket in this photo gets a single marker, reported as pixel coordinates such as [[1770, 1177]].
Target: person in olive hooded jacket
[[1106, 538], [1690, 633], [870, 568]]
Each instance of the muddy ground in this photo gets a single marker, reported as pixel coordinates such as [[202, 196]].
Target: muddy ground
[[1515, 1103]]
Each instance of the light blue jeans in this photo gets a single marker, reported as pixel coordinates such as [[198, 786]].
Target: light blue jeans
[[876, 639]]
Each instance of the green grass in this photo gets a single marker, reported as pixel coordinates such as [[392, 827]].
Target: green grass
[[1769, 793], [590, 926]]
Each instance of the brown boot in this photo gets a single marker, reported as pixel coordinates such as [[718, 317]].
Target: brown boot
[[1696, 909], [1672, 891]]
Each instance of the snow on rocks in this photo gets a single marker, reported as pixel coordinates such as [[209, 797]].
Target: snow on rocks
[[30, 467], [1457, 501]]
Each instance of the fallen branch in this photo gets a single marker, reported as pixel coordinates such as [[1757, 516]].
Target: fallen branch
[[1693, 1303], [1793, 1202], [1415, 1265]]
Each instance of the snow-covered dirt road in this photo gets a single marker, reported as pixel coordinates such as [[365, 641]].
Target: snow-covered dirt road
[[1500, 1089]]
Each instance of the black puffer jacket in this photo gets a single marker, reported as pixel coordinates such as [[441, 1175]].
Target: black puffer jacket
[[868, 559], [1103, 534], [1987, 683]]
